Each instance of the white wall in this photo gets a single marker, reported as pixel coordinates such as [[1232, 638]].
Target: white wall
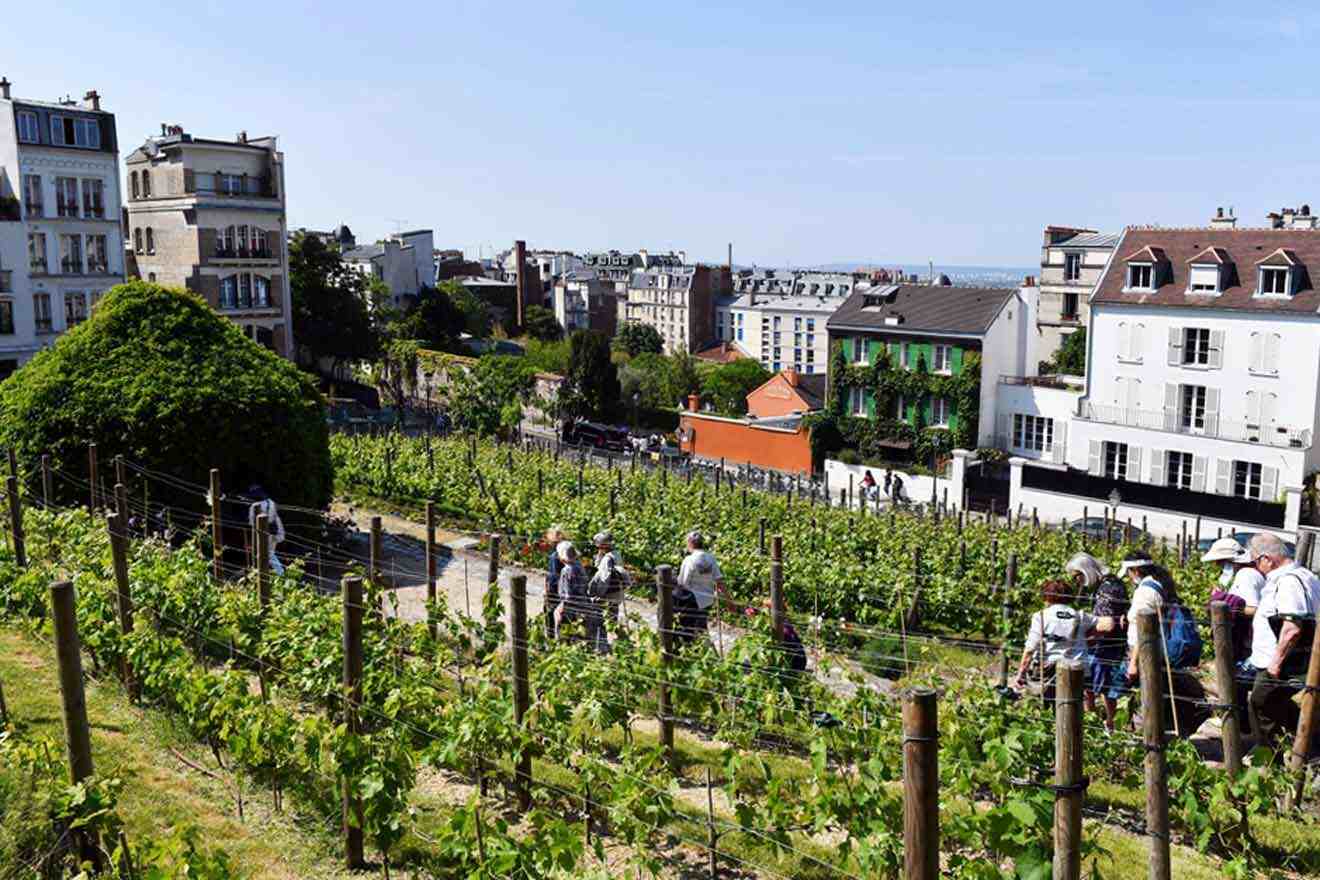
[[1005, 351], [917, 487], [1058, 404]]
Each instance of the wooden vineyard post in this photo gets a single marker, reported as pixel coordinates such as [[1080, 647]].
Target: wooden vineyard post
[[16, 521], [118, 528], [263, 562], [1297, 757], [93, 472], [77, 734], [374, 552], [217, 533], [1152, 716], [521, 691], [1221, 628], [712, 839], [921, 786], [352, 599], [1070, 785], [47, 492], [761, 539], [540, 483], [777, 586], [665, 620], [493, 568], [614, 503], [431, 624], [121, 505], [1010, 582], [1197, 538], [121, 476], [912, 616], [1182, 547]]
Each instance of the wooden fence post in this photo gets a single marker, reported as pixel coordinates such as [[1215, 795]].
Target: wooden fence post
[[777, 585], [263, 562], [77, 734], [522, 779], [121, 475], [665, 588], [913, 614], [431, 624], [16, 521], [1221, 628], [1070, 786], [217, 529], [761, 539], [47, 491], [121, 506], [493, 567], [93, 472], [374, 552], [352, 824], [1305, 726], [118, 528], [921, 786], [1152, 714]]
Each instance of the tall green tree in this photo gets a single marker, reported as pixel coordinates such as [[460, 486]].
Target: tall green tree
[[330, 317], [591, 389], [475, 310], [684, 378], [726, 387], [635, 338], [539, 323], [489, 398]]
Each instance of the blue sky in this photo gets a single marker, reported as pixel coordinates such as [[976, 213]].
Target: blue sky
[[803, 133]]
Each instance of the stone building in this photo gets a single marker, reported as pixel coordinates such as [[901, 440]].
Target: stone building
[[678, 301], [209, 216], [60, 234], [1071, 262]]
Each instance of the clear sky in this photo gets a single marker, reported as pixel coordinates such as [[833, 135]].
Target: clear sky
[[805, 133]]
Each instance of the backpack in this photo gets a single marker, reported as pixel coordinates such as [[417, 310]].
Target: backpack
[[1182, 640]]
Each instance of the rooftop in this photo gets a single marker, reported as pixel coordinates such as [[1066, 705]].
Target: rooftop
[[920, 307], [1090, 240], [820, 304]]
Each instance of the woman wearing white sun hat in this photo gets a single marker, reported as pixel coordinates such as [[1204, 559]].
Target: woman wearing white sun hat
[[1240, 586]]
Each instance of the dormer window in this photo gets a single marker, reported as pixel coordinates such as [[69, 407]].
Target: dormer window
[[1274, 281], [1204, 279], [1141, 276], [1277, 274]]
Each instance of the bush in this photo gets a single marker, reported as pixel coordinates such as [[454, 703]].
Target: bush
[[158, 377]]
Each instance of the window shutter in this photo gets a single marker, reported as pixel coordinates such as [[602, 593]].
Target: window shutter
[[1133, 473], [1133, 401], [1269, 403], [1157, 467], [1269, 484], [1272, 345], [1212, 411], [1253, 408], [1216, 349], [1170, 405], [1255, 349], [1124, 340], [1198, 473], [1137, 343], [1096, 466], [1223, 476], [1175, 346]]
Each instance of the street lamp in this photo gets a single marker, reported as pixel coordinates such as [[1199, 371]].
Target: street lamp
[[637, 399], [1114, 499]]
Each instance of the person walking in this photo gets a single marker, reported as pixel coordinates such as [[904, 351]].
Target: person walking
[[1058, 632], [606, 588], [868, 485], [577, 605], [1105, 655], [1282, 630], [554, 536], [262, 503], [700, 576], [1239, 587]]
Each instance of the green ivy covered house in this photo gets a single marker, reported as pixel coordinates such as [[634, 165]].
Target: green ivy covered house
[[913, 368]]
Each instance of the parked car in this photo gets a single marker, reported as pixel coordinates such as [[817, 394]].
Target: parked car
[[595, 436], [1242, 538], [1119, 533]]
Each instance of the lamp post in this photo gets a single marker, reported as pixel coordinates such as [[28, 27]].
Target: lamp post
[[1114, 499], [637, 399]]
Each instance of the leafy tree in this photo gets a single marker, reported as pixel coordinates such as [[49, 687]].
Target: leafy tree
[[548, 357], [591, 388], [157, 376], [1070, 359], [684, 378], [539, 323], [330, 318], [475, 311], [635, 338], [726, 387], [650, 376], [394, 373], [434, 321], [489, 398]]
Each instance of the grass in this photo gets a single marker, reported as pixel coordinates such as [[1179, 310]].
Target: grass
[[160, 792]]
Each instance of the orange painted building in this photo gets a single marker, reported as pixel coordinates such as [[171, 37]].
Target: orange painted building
[[772, 436]]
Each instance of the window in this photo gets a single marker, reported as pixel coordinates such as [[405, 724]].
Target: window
[[67, 131], [776, 322], [943, 357], [261, 291], [29, 132], [133, 184], [859, 350], [93, 194], [151, 241], [857, 401], [151, 276], [1274, 281], [245, 291], [229, 292], [797, 324], [1196, 346], [97, 256], [1203, 279], [939, 412], [1192, 412], [1072, 267], [71, 262], [66, 196], [32, 201], [75, 309], [1246, 479], [1070, 302], [226, 239], [1033, 433], [1131, 342], [242, 241], [37, 252], [41, 309], [146, 183], [811, 325], [1179, 473], [1140, 276], [6, 317], [137, 240], [1116, 460], [904, 355], [259, 242]]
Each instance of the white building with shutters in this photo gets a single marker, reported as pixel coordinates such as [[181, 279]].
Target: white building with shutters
[[1202, 394]]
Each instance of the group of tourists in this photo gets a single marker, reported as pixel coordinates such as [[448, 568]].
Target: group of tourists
[[1272, 602]]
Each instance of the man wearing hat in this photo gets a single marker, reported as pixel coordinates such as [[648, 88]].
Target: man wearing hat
[[262, 503]]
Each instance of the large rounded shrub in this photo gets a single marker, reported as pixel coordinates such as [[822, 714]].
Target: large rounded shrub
[[158, 377]]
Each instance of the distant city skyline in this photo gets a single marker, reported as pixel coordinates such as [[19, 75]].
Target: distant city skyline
[[804, 136]]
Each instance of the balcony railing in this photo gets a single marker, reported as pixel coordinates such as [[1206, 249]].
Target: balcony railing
[[34, 209], [37, 267], [1207, 426], [44, 325], [66, 209], [70, 266], [95, 211], [243, 253], [97, 267], [6, 281]]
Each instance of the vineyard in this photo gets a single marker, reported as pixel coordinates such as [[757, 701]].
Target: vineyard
[[771, 774]]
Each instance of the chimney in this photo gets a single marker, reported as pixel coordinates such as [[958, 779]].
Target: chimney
[[730, 260], [242, 137], [520, 256], [1222, 220], [1029, 281], [792, 378], [694, 402], [4, 87], [93, 99], [163, 129]]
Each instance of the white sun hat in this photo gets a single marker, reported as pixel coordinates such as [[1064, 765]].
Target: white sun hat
[[1226, 550]]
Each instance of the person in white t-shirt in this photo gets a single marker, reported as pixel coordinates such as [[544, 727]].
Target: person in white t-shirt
[[1153, 588], [1289, 602], [700, 575], [1058, 632], [1240, 586], [262, 503]]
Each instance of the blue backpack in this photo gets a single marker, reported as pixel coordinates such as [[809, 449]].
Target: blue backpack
[[1182, 639]]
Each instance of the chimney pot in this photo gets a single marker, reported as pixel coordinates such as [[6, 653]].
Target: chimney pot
[[163, 127], [93, 99], [1219, 212], [4, 87], [694, 402]]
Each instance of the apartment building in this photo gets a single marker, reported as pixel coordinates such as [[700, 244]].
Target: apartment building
[[1071, 261], [616, 267], [783, 332], [209, 215], [678, 301], [60, 234], [582, 301], [404, 262]]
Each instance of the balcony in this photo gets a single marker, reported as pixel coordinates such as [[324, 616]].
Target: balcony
[[98, 267], [34, 210], [45, 326], [94, 211], [71, 266], [1211, 426], [244, 254], [37, 267], [66, 209], [6, 281]]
